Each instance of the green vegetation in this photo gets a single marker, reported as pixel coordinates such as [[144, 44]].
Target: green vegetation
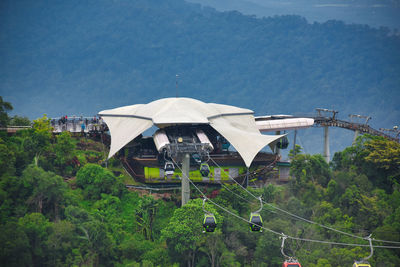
[[4, 108], [60, 207]]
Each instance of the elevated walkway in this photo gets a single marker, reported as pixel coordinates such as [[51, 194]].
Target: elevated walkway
[[78, 125]]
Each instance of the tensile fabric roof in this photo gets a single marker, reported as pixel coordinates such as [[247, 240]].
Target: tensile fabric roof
[[235, 124]]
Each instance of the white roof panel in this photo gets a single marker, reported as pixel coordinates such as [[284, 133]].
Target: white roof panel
[[237, 125]]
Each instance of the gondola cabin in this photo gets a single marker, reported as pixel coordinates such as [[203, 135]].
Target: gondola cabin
[[361, 264], [291, 264], [169, 169], [204, 170], [283, 143], [256, 222], [209, 223]]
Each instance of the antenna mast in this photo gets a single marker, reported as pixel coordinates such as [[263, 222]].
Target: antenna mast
[[176, 84]]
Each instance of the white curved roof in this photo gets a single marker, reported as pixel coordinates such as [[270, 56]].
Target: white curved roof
[[237, 125]]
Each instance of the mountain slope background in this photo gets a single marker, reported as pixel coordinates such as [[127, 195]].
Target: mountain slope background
[[375, 13], [80, 57]]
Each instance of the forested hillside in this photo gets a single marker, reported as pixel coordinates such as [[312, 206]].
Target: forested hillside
[[80, 57], [59, 206], [375, 13]]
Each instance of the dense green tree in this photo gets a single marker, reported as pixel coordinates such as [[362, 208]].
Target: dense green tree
[[95, 180], [297, 150], [37, 229], [19, 121], [158, 256], [20, 143], [135, 246], [39, 138], [4, 108], [14, 194], [14, 245], [385, 156], [233, 196], [7, 159], [46, 191], [214, 247], [97, 246], [311, 168], [183, 233], [145, 216], [269, 242], [270, 192], [373, 156], [60, 243], [64, 150], [77, 215]]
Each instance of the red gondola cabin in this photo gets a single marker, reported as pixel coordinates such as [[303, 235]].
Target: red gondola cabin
[[291, 264]]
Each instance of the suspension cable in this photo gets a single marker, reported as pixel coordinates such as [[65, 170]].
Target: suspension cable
[[301, 218], [272, 231], [236, 194]]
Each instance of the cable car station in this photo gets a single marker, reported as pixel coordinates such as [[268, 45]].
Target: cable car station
[[189, 137]]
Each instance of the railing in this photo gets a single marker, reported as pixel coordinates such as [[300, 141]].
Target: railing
[[78, 124]]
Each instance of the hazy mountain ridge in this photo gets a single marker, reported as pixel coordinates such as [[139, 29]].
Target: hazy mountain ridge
[[376, 13], [82, 57]]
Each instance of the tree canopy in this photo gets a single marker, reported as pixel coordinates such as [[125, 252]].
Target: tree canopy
[[60, 207]]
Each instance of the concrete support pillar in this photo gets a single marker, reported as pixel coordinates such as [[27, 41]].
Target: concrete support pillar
[[356, 132], [294, 142], [185, 179], [326, 144]]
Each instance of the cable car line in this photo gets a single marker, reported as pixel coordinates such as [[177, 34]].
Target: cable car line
[[248, 201], [216, 204], [236, 194], [301, 218], [275, 232]]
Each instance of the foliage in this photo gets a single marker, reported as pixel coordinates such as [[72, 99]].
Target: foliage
[[39, 141], [43, 126], [37, 228], [46, 191], [297, 150], [93, 220], [64, 151], [15, 247], [19, 121], [183, 233], [7, 159], [376, 157], [95, 180], [4, 108]]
